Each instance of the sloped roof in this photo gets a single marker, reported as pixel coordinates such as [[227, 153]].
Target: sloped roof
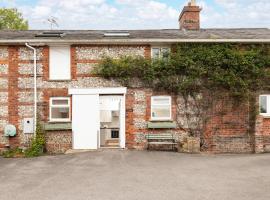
[[166, 35]]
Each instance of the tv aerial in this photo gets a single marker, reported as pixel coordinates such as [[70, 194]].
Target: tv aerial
[[53, 22]]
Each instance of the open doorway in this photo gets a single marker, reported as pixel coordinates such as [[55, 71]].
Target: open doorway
[[98, 118], [110, 121]]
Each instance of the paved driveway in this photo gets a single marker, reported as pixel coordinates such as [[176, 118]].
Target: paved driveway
[[132, 175]]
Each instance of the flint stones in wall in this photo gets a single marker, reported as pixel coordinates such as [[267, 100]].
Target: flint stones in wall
[[3, 53], [79, 83], [139, 109], [59, 138], [191, 122], [3, 83], [26, 83], [140, 123], [27, 54], [96, 53], [139, 96], [25, 97], [26, 111], [3, 97], [140, 137], [26, 139], [3, 111], [29, 68], [3, 123], [83, 68], [3, 139], [3, 69], [94, 82]]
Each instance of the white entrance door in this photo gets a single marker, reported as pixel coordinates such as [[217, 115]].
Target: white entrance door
[[85, 121]]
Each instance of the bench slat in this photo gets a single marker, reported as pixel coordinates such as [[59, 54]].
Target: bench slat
[[162, 143]]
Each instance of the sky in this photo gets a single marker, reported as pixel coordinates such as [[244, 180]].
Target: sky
[[139, 14]]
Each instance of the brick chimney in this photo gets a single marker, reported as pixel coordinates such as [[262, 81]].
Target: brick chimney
[[189, 18]]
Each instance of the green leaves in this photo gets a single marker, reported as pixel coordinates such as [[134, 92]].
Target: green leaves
[[192, 68], [11, 19], [38, 143]]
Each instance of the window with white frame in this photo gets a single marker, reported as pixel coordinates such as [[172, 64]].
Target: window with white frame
[[160, 52], [161, 108], [59, 63], [264, 104], [59, 109]]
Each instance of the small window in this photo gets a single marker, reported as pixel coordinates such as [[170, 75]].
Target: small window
[[160, 52], [264, 105], [161, 108], [60, 109], [60, 63]]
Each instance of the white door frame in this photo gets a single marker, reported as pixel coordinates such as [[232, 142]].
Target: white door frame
[[108, 91]]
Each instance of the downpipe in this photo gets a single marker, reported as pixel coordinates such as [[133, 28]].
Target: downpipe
[[35, 85]]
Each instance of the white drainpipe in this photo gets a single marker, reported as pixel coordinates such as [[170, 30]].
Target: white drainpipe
[[35, 85]]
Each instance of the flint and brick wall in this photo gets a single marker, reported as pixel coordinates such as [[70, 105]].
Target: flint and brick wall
[[227, 131], [4, 71]]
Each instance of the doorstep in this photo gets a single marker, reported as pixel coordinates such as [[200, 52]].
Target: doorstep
[[75, 151]]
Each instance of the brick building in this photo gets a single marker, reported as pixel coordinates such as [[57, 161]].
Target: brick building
[[83, 111]]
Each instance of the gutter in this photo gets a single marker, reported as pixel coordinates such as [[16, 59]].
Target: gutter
[[35, 85], [133, 41]]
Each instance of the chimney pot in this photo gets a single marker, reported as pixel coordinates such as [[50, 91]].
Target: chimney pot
[[193, 2]]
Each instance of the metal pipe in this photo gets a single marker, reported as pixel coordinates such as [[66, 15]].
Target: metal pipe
[[35, 85]]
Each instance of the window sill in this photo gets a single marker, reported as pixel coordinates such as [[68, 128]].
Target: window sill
[[267, 116], [57, 126], [160, 120]]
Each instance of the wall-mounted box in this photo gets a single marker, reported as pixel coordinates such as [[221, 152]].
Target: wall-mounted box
[[28, 125]]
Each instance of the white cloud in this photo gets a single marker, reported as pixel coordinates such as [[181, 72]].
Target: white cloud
[[237, 13], [143, 14]]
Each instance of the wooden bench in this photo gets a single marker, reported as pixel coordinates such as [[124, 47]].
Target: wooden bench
[[161, 139]]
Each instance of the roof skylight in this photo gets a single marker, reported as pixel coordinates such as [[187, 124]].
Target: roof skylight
[[51, 34], [117, 34]]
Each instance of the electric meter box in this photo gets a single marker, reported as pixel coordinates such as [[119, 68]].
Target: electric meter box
[[28, 125]]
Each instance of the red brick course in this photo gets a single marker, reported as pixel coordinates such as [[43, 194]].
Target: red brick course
[[226, 131], [13, 93]]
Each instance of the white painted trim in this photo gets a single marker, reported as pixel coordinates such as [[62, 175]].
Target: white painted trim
[[116, 90], [59, 106], [123, 122], [267, 105], [161, 118], [130, 41], [160, 47]]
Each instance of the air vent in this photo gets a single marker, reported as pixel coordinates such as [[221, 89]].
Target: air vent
[[51, 34], [117, 34]]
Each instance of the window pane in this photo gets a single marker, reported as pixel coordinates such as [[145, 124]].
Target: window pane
[[263, 104], [60, 113], [161, 101], [60, 102], [161, 111], [165, 53], [155, 52]]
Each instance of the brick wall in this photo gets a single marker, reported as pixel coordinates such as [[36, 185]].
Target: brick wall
[[228, 128], [190, 18], [4, 69], [226, 131], [58, 141], [262, 135]]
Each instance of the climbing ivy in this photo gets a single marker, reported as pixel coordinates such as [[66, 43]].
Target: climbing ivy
[[238, 69]]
